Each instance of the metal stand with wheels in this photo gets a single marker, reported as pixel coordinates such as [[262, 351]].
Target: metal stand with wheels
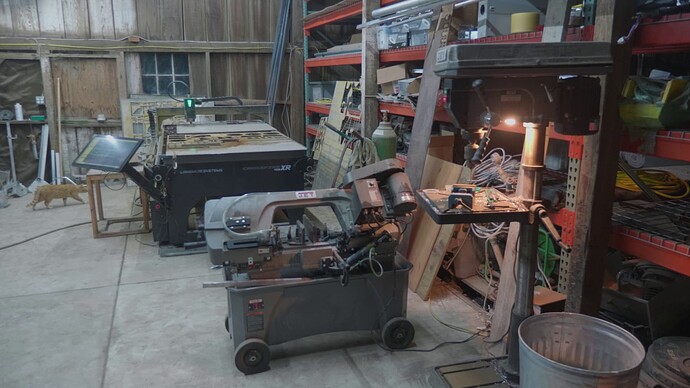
[[14, 187]]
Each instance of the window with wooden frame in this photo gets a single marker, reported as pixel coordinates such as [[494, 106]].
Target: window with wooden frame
[[158, 70]]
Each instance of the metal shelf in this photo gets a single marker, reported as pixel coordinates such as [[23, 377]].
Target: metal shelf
[[668, 34], [418, 53], [334, 60], [656, 249], [312, 129], [323, 109], [406, 110], [340, 11], [668, 144]]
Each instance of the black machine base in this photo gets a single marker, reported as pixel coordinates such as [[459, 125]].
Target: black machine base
[[172, 250]]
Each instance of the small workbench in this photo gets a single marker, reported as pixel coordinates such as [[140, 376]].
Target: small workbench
[[93, 186]]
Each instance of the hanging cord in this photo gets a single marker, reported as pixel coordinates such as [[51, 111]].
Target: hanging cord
[[663, 183], [363, 154], [497, 170]]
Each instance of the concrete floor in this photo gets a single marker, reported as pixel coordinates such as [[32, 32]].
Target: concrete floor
[[81, 312]]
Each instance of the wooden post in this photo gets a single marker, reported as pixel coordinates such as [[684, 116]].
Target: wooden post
[[426, 104], [297, 97], [598, 168], [49, 94], [370, 64]]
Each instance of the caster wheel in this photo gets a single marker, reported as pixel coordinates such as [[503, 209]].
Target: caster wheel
[[252, 356], [397, 333], [227, 324]]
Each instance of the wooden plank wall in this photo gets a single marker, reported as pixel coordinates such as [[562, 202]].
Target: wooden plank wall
[[196, 20], [162, 20], [212, 72]]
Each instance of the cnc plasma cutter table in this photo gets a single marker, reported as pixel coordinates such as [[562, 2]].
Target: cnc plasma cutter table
[[197, 162]]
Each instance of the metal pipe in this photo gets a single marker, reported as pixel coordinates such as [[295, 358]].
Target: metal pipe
[[13, 171], [530, 179], [524, 291], [532, 163], [393, 8], [413, 18], [422, 6]]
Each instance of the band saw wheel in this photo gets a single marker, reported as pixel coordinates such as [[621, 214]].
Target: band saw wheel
[[397, 333], [252, 356]]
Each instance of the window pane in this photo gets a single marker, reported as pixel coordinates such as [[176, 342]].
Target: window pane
[[148, 63], [164, 63], [163, 83], [181, 64], [149, 84], [180, 89]]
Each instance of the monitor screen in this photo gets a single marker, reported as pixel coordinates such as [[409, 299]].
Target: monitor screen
[[107, 153]]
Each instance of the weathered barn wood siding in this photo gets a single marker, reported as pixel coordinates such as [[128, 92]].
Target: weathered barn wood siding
[[90, 85], [196, 20]]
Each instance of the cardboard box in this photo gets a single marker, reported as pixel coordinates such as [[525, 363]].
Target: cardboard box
[[388, 78], [356, 38], [441, 146], [548, 301], [410, 86]]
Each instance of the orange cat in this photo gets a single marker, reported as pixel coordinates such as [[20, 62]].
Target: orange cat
[[47, 193]]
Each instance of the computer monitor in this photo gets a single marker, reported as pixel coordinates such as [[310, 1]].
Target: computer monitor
[[107, 153]]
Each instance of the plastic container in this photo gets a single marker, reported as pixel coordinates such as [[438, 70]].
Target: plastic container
[[573, 350], [18, 112]]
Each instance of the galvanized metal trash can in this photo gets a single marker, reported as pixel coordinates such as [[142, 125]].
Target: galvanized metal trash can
[[575, 350]]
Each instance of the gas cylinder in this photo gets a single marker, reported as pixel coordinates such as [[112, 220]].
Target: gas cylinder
[[385, 139]]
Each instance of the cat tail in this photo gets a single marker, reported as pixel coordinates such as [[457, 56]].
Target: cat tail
[[35, 201]]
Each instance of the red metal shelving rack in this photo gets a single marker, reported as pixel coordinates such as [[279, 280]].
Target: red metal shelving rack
[[318, 108], [334, 60], [335, 13], [668, 34], [658, 250], [668, 144]]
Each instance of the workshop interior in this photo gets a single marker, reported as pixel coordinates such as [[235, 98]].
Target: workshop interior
[[374, 193]]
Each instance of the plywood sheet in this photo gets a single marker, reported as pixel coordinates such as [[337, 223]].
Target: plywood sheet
[[428, 240], [89, 87], [330, 168]]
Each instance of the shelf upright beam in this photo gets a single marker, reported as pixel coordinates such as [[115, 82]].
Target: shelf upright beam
[[297, 86], [305, 86], [370, 64], [598, 168]]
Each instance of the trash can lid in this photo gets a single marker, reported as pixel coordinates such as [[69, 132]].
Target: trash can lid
[[668, 358]]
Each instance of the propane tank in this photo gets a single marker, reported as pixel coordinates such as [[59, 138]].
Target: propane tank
[[385, 139]]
